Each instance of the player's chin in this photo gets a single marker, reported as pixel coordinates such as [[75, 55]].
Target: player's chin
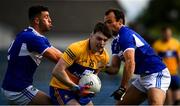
[[49, 28], [100, 50]]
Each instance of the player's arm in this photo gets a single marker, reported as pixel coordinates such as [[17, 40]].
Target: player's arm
[[42, 46], [60, 73], [52, 54], [114, 67], [67, 59], [129, 67]]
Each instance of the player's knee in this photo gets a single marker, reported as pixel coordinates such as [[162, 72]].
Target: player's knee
[[155, 102]]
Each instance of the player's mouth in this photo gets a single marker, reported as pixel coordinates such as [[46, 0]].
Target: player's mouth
[[100, 47]]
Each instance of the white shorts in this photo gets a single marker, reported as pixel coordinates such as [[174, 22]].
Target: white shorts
[[20, 98], [159, 80]]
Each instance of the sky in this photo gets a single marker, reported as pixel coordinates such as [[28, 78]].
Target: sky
[[133, 7]]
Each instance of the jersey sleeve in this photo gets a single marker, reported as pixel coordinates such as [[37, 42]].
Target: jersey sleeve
[[126, 41], [38, 44], [71, 54]]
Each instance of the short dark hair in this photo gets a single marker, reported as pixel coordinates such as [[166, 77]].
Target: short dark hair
[[36, 10], [165, 28], [118, 14], [101, 27]]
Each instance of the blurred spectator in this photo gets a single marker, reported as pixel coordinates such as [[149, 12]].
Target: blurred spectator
[[169, 49]]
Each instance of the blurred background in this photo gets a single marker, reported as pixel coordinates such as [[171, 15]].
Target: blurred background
[[74, 20]]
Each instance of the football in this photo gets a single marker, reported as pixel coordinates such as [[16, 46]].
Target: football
[[92, 80]]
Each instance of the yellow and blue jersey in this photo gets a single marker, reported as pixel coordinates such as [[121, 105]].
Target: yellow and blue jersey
[[169, 52], [81, 61]]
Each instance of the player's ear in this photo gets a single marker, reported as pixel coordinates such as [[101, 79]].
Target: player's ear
[[36, 20], [120, 21]]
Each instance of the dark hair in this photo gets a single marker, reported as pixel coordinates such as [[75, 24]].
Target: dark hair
[[101, 27], [165, 28], [118, 14], [35, 10]]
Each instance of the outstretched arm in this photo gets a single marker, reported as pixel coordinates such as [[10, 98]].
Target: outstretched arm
[[52, 54], [115, 65]]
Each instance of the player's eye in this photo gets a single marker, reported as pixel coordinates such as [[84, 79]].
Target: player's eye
[[100, 39], [47, 16], [108, 22]]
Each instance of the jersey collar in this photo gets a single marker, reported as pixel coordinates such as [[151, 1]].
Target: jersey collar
[[35, 32]]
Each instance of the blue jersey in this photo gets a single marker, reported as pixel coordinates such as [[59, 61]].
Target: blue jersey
[[24, 55], [146, 60]]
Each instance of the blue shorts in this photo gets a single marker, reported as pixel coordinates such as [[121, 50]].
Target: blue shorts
[[175, 82], [62, 97]]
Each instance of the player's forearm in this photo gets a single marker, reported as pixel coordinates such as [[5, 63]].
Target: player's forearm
[[53, 54], [111, 70], [63, 77], [60, 74], [114, 67], [127, 73]]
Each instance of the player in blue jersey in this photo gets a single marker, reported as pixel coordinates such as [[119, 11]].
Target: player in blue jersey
[[139, 58], [24, 56]]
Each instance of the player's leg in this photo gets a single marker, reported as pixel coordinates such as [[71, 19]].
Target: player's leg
[[133, 96], [169, 96], [176, 96], [40, 99], [90, 104], [137, 90], [175, 89], [156, 96], [29, 95], [169, 100], [73, 102], [58, 96], [159, 83]]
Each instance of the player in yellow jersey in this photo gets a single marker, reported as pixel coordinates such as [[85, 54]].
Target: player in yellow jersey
[[86, 56], [169, 49]]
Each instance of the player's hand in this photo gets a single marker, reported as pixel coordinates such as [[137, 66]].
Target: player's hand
[[119, 93], [83, 91]]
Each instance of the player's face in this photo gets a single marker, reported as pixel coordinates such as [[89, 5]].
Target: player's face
[[111, 22], [167, 34], [45, 23], [98, 41]]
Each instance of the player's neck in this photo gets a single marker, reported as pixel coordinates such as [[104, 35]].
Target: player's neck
[[166, 39], [94, 51], [120, 26], [37, 29]]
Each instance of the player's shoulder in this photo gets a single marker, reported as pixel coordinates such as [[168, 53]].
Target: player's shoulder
[[125, 30], [31, 34], [79, 45], [26, 33], [115, 40], [106, 52], [175, 40], [157, 42]]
